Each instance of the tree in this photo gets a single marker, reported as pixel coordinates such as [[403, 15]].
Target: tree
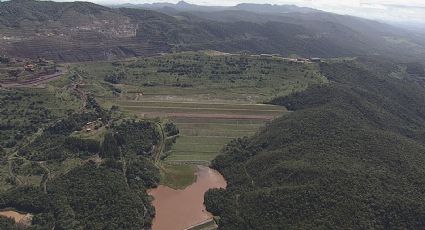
[[110, 147]]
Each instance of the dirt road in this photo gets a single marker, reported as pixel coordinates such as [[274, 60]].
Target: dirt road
[[36, 81]]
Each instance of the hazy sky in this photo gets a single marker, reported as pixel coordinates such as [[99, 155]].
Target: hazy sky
[[393, 10]]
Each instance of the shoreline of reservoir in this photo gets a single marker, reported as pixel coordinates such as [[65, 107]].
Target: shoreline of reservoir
[[178, 209]]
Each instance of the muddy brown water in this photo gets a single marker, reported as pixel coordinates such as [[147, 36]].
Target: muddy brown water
[[180, 209]]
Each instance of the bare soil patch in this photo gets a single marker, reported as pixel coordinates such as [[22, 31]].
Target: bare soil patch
[[19, 218]]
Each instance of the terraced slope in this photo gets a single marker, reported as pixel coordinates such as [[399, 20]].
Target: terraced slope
[[77, 31], [204, 127]]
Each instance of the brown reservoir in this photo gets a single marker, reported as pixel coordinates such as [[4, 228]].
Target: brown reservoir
[[180, 209]]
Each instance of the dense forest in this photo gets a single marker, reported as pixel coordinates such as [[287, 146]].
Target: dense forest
[[351, 155]]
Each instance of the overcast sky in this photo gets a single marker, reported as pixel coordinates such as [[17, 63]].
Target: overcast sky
[[392, 10]]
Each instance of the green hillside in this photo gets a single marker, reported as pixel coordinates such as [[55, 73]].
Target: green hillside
[[349, 156]]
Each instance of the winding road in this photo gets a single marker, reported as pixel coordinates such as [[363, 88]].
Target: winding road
[[36, 81]]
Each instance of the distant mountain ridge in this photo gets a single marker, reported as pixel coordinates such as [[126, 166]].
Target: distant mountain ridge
[[182, 5], [256, 8], [81, 31], [269, 8]]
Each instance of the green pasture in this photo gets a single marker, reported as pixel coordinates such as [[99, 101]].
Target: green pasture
[[177, 176]]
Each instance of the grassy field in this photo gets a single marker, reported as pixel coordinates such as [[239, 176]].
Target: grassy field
[[177, 176], [227, 77]]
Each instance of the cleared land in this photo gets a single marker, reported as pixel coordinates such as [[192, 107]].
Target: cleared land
[[204, 127]]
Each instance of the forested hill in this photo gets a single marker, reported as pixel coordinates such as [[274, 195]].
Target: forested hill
[[81, 31], [350, 156]]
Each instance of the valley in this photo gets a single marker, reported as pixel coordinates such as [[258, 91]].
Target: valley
[[207, 113], [210, 106], [205, 127], [179, 116], [169, 125], [198, 111]]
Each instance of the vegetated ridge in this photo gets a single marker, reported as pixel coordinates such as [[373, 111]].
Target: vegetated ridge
[[349, 156]]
